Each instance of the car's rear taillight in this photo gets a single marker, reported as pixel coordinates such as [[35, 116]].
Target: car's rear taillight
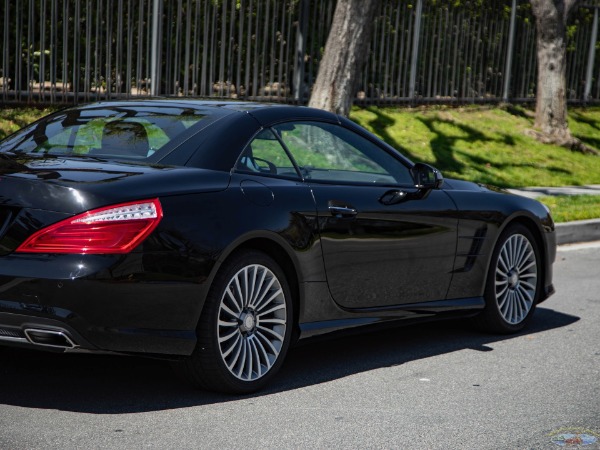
[[111, 229]]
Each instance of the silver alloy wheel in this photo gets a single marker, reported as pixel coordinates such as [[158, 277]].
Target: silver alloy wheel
[[516, 279], [252, 322]]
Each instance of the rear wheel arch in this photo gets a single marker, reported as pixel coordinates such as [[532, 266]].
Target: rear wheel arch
[[245, 328], [282, 254], [289, 267]]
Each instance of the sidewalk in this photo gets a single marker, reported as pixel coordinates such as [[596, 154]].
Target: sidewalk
[[535, 192], [568, 232]]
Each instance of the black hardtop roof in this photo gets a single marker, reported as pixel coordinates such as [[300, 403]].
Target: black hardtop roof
[[265, 113]]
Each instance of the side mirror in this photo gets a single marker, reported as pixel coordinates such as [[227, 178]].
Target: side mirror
[[427, 177]]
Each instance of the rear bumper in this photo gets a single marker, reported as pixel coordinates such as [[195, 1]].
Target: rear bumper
[[97, 303], [34, 332]]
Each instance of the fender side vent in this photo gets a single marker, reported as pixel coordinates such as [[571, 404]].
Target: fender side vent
[[475, 250]]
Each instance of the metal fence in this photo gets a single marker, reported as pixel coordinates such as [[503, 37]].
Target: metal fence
[[422, 50]]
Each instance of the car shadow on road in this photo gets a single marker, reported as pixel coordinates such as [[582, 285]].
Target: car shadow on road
[[101, 384]]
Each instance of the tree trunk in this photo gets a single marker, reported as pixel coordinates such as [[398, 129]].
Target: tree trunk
[[551, 103], [345, 54]]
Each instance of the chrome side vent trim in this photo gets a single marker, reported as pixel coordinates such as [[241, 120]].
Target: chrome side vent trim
[[474, 252]]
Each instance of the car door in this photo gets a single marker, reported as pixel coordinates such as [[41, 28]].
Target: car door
[[272, 196], [385, 242]]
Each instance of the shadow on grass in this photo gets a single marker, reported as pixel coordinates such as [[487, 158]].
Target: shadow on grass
[[579, 117], [591, 138], [448, 132], [590, 141], [443, 144], [97, 384], [519, 111], [489, 177], [380, 126]]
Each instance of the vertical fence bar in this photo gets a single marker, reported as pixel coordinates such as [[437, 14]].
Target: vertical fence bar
[[108, 49], [415, 50], [301, 31], [88, 49], [248, 52], [196, 50], [97, 58], [240, 41], [129, 57], [4, 80], [231, 50], [205, 28], [154, 71], [186, 63], [167, 56], [118, 78], [140, 49], [65, 53], [591, 55], [221, 82], [76, 50], [53, 49], [42, 51], [18, 74]]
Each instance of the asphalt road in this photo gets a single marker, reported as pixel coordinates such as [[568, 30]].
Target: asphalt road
[[434, 386]]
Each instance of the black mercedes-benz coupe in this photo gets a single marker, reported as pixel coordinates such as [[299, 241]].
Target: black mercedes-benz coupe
[[216, 234]]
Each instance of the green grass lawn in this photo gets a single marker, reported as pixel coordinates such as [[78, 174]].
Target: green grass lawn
[[477, 143], [486, 144], [566, 208]]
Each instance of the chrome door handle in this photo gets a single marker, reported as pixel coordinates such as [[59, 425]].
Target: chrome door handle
[[392, 197], [343, 211]]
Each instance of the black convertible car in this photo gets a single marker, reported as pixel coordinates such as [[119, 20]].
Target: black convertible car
[[216, 234]]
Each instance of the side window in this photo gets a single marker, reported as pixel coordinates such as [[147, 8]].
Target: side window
[[328, 152], [266, 155]]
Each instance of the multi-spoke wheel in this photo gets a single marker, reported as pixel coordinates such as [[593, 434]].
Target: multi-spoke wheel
[[513, 282], [252, 322], [245, 327]]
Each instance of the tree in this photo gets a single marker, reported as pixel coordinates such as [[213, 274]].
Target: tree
[[345, 54], [551, 125]]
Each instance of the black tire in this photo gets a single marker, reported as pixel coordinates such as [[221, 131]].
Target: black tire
[[512, 288], [242, 346]]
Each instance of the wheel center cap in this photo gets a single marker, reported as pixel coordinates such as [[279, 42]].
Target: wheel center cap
[[248, 322], [513, 279]]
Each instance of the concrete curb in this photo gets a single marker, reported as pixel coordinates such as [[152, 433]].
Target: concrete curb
[[578, 231], [568, 232]]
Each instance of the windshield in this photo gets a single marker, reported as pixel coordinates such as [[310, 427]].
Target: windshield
[[107, 131]]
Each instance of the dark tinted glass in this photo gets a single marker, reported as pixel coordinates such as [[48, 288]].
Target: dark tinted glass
[[116, 131]]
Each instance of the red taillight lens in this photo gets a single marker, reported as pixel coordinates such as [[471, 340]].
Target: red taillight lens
[[112, 229]]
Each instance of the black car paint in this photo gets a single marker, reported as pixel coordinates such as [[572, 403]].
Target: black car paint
[[149, 301]]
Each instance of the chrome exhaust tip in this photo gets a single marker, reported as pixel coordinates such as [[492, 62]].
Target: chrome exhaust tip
[[49, 338]]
